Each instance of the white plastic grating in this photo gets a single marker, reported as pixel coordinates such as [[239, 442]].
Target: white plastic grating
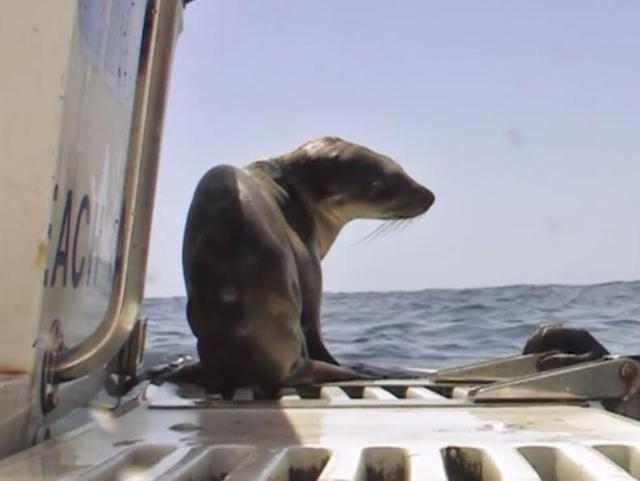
[[392, 431], [561, 462], [344, 395]]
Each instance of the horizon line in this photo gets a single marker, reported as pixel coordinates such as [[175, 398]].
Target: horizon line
[[503, 286]]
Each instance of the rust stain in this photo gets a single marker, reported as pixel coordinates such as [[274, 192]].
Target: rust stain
[[12, 370], [41, 252], [458, 465], [394, 473]]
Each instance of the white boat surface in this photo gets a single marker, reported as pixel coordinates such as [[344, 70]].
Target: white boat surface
[[436, 427]]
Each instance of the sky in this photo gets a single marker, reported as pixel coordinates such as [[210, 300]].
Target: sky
[[522, 117]]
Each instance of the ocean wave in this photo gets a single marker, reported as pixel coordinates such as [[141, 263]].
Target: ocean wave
[[436, 327]]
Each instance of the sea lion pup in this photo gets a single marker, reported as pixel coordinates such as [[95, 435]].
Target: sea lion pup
[[253, 243]]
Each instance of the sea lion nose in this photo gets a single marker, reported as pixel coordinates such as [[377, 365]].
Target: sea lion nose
[[427, 197]]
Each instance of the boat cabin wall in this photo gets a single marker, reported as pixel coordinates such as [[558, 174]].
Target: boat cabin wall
[[70, 92]]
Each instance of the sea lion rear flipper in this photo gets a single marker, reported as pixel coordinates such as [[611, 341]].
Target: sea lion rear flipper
[[309, 371], [380, 372], [191, 373]]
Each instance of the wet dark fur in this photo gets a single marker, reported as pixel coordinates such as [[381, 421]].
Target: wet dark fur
[[252, 248]]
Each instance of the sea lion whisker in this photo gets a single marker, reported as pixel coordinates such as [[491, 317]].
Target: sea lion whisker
[[379, 231], [406, 223], [369, 236], [395, 224], [389, 225]]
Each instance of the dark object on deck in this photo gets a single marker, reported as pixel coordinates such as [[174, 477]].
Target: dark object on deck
[[566, 346]]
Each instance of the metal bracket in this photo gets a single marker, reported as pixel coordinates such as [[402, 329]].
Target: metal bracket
[[54, 344], [617, 378], [130, 356], [125, 365], [494, 370]]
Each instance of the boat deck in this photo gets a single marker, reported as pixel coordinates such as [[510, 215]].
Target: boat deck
[[382, 431]]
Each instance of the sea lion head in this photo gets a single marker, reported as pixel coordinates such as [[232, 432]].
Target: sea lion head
[[353, 181]]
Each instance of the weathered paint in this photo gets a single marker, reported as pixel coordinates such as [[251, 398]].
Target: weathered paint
[[66, 130], [68, 100], [87, 194]]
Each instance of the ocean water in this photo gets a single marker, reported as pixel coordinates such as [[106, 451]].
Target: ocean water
[[436, 327]]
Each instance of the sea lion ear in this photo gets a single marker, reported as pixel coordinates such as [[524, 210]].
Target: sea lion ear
[[267, 174], [265, 167], [274, 171]]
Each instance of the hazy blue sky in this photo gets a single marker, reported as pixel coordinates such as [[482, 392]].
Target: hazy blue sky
[[522, 117]]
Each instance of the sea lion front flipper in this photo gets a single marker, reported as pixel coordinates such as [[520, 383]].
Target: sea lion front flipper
[[318, 351], [311, 288], [190, 318], [310, 322], [309, 371]]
